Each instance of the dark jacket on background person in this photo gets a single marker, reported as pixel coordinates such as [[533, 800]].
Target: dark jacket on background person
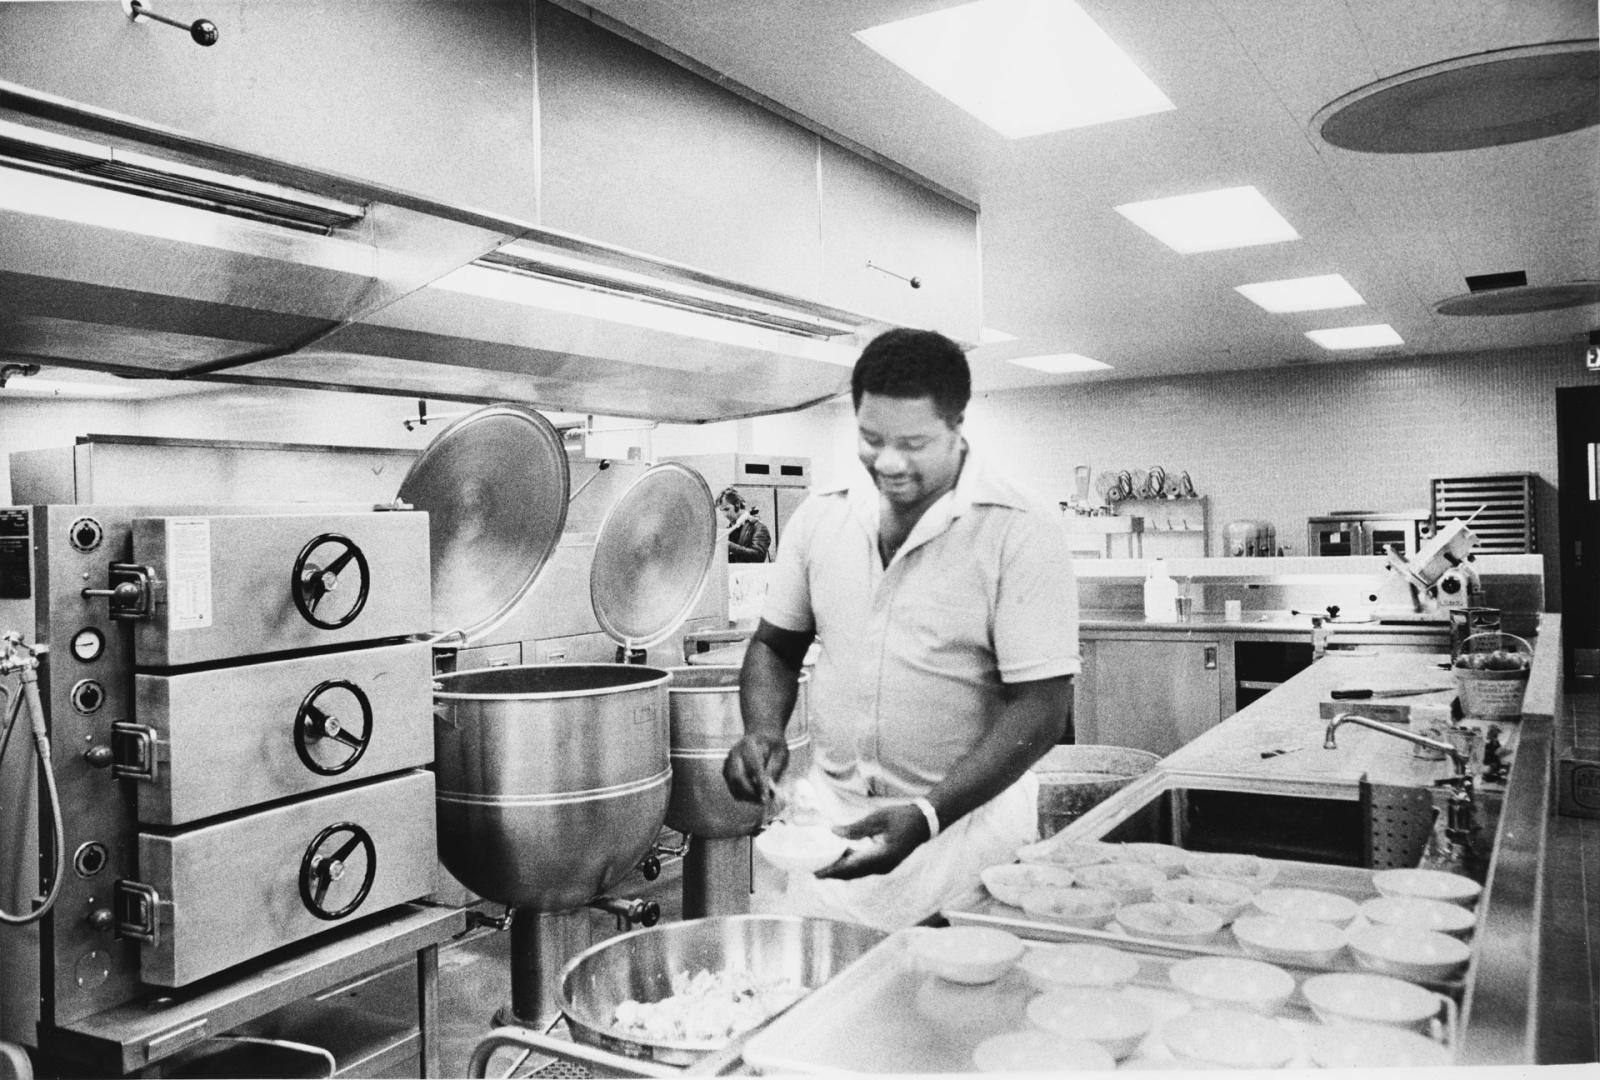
[[750, 542]]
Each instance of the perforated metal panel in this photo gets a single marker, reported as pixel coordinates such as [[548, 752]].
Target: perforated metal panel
[[1399, 821]]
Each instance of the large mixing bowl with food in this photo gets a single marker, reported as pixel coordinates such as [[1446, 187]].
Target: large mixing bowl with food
[[678, 992]]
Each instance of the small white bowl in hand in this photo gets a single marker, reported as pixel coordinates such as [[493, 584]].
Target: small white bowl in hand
[[1007, 882], [965, 954], [1227, 1038], [1233, 982], [800, 849], [1359, 997], [1415, 914], [1410, 954], [1116, 1022], [1130, 883], [1427, 885], [1289, 941], [1311, 904], [1188, 923], [1040, 1052], [1051, 967], [1087, 909], [1373, 1046], [1227, 898]]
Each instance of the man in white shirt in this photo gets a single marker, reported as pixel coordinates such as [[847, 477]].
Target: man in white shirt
[[942, 600]]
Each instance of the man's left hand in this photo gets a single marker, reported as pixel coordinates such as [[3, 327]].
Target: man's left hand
[[893, 833]]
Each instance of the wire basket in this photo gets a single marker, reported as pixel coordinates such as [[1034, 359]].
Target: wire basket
[[1491, 672]]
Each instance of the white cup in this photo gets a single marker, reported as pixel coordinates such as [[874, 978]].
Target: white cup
[[1233, 610]]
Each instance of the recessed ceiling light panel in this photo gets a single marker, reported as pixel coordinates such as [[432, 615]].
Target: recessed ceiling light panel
[[1023, 67], [1060, 363], [1211, 220], [1302, 294], [988, 335], [1356, 337]]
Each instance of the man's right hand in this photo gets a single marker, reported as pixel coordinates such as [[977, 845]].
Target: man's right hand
[[754, 766]]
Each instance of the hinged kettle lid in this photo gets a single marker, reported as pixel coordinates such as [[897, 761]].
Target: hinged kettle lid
[[495, 485]]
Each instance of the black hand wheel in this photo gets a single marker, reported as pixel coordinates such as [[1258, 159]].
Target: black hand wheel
[[313, 723], [313, 581], [324, 863]]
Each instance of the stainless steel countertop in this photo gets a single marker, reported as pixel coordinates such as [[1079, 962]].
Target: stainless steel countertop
[[1252, 622]]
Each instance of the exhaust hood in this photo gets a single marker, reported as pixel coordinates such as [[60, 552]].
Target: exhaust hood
[[140, 251]]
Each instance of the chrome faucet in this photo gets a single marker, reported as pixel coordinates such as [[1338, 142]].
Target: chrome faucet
[[1460, 810]]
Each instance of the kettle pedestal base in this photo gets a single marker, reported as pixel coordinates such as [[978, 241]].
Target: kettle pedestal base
[[716, 877], [541, 944]]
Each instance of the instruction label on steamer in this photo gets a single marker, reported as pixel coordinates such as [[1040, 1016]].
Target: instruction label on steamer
[[188, 573]]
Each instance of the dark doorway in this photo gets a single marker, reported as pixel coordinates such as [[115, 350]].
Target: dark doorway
[[1578, 507]]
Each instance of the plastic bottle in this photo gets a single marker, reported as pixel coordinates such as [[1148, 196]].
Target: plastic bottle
[[1160, 593]]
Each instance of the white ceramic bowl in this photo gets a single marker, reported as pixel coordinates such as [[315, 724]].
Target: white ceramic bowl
[[1372, 1046], [1167, 857], [1051, 967], [1410, 954], [1288, 941], [1058, 852], [1188, 923], [1348, 997], [1116, 1022], [800, 849], [1040, 1052], [1311, 904], [1227, 1038], [1427, 885], [965, 954], [1227, 898], [1415, 914], [1007, 883], [1245, 869], [1233, 982], [1088, 909], [1130, 883]]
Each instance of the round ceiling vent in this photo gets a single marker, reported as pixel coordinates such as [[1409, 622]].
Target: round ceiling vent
[[1470, 102], [1522, 299]]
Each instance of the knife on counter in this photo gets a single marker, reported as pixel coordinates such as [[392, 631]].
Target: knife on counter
[[1366, 693]]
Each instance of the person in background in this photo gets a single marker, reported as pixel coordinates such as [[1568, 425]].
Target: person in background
[[942, 601], [748, 538]]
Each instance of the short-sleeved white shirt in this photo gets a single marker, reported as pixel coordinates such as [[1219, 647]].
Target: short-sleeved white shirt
[[912, 657]]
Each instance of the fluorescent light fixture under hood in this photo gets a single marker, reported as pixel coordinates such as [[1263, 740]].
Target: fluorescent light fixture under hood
[[1060, 363], [1302, 294], [1210, 220], [1356, 337], [1023, 67]]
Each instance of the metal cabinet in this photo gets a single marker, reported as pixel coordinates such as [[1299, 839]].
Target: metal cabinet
[[1151, 693]]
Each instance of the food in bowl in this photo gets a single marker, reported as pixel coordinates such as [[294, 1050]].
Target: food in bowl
[[1088, 909], [1227, 898], [800, 849], [1427, 885], [1170, 922], [1040, 1052], [707, 1005], [1312, 904], [1106, 1017], [1416, 914], [1230, 1039], [1289, 941], [1058, 852], [1007, 883], [1168, 858], [1410, 954], [1373, 1046], [1344, 997], [1248, 870], [965, 954], [1128, 882], [1049, 967], [1233, 982]]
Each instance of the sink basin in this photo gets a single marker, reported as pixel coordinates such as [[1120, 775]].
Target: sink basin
[[1275, 825]]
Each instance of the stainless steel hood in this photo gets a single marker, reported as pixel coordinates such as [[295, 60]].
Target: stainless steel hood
[[138, 250]]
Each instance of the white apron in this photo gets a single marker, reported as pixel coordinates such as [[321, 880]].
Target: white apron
[[942, 873]]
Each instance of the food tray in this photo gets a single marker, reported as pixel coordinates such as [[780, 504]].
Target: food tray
[[882, 1015], [1354, 882]]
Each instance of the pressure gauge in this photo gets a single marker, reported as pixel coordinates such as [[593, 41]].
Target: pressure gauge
[[88, 644]]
